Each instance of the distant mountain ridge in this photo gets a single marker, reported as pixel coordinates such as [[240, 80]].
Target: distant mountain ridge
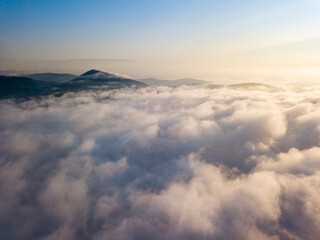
[[172, 83], [18, 86], [23, 87]]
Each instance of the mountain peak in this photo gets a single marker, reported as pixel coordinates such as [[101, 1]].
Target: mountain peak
[[99, 75], [91, 72], [94, 75]]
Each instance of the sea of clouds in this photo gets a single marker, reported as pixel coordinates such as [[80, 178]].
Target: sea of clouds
[[162, 163]]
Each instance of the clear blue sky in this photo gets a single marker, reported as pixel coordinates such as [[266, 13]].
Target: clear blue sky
[[167, 38]]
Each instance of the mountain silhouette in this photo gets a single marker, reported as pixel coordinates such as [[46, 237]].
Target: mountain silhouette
[[95, 80], [22, 87], [53, 77]]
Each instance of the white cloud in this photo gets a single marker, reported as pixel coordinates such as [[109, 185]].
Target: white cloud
[[161, 163]]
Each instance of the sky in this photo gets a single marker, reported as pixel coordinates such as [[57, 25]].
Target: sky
[[212, 40]]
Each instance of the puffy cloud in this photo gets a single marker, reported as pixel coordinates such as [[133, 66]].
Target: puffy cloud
[[294, 162], [162, 163]]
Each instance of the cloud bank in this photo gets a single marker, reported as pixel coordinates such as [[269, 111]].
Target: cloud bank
[[162, 163]]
